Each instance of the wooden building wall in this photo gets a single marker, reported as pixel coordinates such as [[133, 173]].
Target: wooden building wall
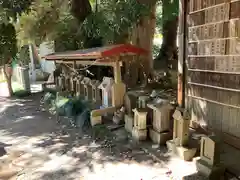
[[213, 64]]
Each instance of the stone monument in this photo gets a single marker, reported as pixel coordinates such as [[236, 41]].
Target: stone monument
[[209, 163], [86, 88], [160, 132], [79, 90], [106, 87], [139, 131], [179, 144], [96, 93]]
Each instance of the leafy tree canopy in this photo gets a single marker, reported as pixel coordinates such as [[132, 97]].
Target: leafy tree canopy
[[13, 8], [8, 42], [9, 11], [111, 19]]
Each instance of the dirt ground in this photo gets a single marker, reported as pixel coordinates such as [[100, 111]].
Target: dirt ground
[[37, 148]]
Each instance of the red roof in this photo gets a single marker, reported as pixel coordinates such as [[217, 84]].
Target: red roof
[[97, 53]]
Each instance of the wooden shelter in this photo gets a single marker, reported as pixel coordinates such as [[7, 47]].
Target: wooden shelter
[[113, 56], [209, 65]]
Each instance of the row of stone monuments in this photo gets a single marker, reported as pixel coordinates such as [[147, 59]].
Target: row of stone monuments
[[177, 140], [91, 90]]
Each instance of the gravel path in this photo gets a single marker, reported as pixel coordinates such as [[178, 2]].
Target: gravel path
[[39, 149]]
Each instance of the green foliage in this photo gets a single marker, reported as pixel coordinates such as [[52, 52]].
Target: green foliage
[[24, 55], [8, 42], [67, 35], [114, 18], [41, 20], [170, 9], [156, 49], [15, 7], [9, 10], [110, 21]]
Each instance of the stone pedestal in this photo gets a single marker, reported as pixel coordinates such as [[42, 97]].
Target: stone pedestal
[[184, 153], [160, 132], [139, 135], [159, 138], [128, 123]]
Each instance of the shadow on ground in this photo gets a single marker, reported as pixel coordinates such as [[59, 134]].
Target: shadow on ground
[[42, 149]]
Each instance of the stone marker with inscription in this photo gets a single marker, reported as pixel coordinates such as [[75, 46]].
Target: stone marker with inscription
[[179, 144], [209, 163]]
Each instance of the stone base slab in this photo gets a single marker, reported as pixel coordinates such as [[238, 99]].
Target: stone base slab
[[159, 138], [184, 153], [139, 135]]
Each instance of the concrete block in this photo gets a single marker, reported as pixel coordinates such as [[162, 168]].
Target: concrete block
[[139, 135], [128, 123], [159, 138], [184, 153]]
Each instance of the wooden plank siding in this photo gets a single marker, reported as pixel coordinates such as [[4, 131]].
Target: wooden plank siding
[[213, 65]]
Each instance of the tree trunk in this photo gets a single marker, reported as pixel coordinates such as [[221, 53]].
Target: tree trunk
[[168, 51], [8, 76], [142, 36], [80, 9]]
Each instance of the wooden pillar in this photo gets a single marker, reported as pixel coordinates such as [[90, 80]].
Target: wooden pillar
[[117, 72], [182, 38]]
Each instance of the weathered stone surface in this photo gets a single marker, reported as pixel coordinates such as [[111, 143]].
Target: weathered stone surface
[[161, 114], [139, 135], [212, 172], [140, 119], [181, 128], [95, 120], [184, 153], [128, 123], [159, 138], [209, 162], [210, 150]]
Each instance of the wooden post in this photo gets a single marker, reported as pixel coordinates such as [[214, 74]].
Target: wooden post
[[182, 52], [117, 71], [32, 62]]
